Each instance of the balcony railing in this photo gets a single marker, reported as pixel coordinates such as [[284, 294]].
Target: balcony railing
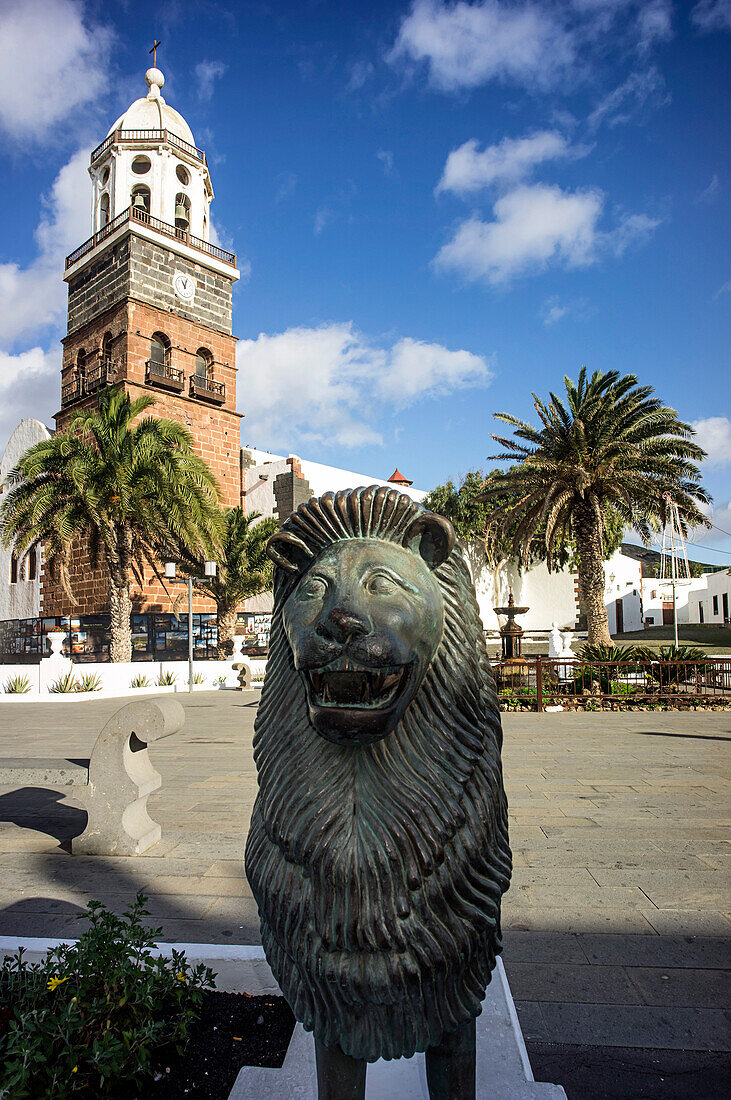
[[162, 374], [140, 215], [207, 389], [103, 374], [148, 137], [72, 391]]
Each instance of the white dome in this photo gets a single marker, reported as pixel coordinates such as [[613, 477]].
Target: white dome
[[153, 113]]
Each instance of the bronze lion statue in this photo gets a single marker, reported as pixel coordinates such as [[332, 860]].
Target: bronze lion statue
[[378, 850]]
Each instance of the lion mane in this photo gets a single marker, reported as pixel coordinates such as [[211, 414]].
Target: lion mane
[[379, 870]]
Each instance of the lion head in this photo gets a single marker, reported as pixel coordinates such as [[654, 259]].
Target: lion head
[[378, 848]]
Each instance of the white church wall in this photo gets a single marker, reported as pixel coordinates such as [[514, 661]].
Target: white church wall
[[623, 584], [549, 597], [22, 599]]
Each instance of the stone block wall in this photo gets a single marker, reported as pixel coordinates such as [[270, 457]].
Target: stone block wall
[[100, 285], [152, 268]]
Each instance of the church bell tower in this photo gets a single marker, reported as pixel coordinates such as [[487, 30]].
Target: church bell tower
[[149, 302]]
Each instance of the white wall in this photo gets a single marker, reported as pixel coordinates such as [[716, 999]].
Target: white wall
[[623, 581], [549, 597], [23, 599], [689, 596]]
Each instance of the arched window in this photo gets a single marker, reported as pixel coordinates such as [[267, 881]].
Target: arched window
[[13, 568], [141, 199], [160, 349], [203, 363], [33, 564], [80, 363], [182, 211], [104, 210], [107, 341]]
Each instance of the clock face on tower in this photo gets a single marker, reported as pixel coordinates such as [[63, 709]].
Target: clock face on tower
[[184, 286]]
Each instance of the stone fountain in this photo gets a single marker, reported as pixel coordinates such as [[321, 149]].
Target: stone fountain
[[513, 669]]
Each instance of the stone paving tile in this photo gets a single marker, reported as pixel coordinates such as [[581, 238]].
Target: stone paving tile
[[567, 982], [673, 922], [701, 952], [635, 1026], [542, 947], [629, 922], [684, 986]]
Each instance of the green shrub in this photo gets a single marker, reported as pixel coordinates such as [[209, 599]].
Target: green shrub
[[666, 673], [139, 682], [588, 674], [165, 679], [17, 685], [97, 1017], [91, 682], [64, 684], [198, 678]]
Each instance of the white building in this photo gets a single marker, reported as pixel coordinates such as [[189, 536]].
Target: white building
[[20, 581], [703, 599]]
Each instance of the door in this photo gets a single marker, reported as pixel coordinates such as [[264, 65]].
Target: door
[[724, 602], [619, 613], [667, 614]]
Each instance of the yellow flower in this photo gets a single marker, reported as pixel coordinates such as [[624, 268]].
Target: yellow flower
[[180, 977], [55, 982], [74, 1069]]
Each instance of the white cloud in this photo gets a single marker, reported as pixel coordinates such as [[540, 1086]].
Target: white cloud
[[712, 15], [53, 62], [539, 46], [34, 297], [640, 92], [29, 382], [713, 187], [724, 289], [386, 158], [713, 434], [533, 226], [206, 74], [552, 311], [512, 159], [465, 45], [328, 385]]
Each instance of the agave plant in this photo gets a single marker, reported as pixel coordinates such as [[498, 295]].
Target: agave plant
[[139, 682], [594, 670], [91, 682], [64, 685], [673, 664], [165, 679], [17, 685]]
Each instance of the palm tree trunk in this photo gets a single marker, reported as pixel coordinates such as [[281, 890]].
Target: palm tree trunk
[[591, 574], [120, 614], [226, 619]]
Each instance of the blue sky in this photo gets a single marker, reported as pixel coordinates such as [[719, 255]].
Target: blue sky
[[437, 207]]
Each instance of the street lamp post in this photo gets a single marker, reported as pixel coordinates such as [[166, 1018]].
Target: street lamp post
[[209, 569]]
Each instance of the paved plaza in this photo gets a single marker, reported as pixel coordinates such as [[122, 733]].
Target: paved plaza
[[615, 925]]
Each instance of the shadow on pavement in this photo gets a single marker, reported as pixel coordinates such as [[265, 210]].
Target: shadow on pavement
[[44, 811]]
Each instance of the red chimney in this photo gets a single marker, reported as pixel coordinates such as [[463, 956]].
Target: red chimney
[[398, 479]]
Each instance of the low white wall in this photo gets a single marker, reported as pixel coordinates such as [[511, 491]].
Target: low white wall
[[116, 678]]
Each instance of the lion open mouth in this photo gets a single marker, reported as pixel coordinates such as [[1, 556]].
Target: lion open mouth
[[345, 684]]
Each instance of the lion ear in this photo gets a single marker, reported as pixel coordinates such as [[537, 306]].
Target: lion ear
[[289, 552], [432, 537]]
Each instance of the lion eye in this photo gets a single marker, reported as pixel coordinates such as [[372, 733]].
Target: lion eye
[[380, 584], [313, 588]]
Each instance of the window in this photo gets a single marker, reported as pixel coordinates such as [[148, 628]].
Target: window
[[183, 174], [203, 363], [13, 568], [141, 166], [141, 198], [182, 211], [104, 210], [104, 180], [33, 564], [81, 363], [107, 341], [701, 618], [160, 348], [715, 605]]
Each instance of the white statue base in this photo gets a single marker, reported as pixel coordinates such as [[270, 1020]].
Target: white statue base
[[503, 1069]]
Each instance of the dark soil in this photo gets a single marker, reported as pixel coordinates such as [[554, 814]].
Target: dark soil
[[234, 1030]]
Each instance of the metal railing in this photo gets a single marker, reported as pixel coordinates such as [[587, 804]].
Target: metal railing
[[542, 681], [140, 215], [103, 374], [207, 389], [72, 391], [162, 374], [148, 137]]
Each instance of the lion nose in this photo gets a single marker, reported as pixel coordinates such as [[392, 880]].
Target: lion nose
[[340, 626]]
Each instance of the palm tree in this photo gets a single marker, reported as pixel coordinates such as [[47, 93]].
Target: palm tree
[[612, 447], [136, 493], [244, 570]]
